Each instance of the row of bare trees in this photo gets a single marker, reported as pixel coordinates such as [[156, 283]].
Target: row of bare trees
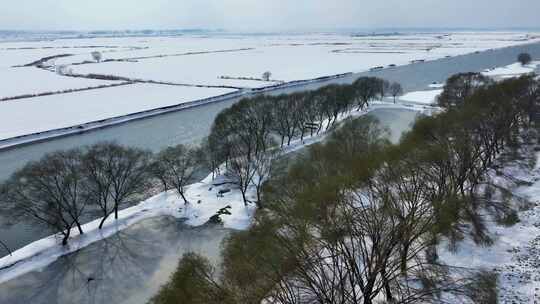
[[244, 137], [65, 188], [357, 220]]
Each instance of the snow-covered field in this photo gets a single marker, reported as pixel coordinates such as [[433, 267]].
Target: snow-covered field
[[33, 115], [29, 80], [231, 60], [289, 57]]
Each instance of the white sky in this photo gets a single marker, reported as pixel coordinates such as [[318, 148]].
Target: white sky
[[270, 15]]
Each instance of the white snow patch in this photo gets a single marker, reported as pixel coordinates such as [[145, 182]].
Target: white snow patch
[[422, 97], [512, 70], [31, 80], [436, 85]]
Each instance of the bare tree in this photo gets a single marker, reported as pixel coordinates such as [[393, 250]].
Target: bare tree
[[63, 70], [384, 87], [266, 76], [96, 167], [116, 175], [396, 90], [97, 56], [50, 191], [210, 155], [241, 169], [366, 89], [461, 86], [176, 166], [263, 164], [524, 58], [284, 119]]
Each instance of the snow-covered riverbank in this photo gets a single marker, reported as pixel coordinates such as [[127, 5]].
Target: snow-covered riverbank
[[204, 203], [515, 252]]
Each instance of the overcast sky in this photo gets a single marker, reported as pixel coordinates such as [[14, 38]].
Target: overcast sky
[[267, 15]]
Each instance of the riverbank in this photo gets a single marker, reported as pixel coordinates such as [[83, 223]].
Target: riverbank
[[204, 203]]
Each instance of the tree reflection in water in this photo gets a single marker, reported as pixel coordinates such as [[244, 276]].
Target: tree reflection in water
[[117, 269]]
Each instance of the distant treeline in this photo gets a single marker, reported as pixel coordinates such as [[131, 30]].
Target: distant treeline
[[358, 220]]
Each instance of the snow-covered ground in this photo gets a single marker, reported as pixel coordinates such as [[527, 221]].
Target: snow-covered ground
[[32, 115], [22, 53], [515, 253], [436, 85], [29, 80], [422, 97], [512, 70], [207, 60], [204, 203], [288, 57]]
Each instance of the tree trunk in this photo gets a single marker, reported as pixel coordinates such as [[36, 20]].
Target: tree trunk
[[244, 197], [66, 237], [78, 226], [183, 197], [259, 196], [387, 290], [106, 215]]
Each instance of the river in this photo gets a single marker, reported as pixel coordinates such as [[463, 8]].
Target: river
[[75, 275]]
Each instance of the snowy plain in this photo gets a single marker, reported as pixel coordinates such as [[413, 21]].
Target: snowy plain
[[30, 80], [33, 115], [231, 60], [294, 57]]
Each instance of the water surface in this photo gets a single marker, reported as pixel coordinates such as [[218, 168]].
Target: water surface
[[127, 268]]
